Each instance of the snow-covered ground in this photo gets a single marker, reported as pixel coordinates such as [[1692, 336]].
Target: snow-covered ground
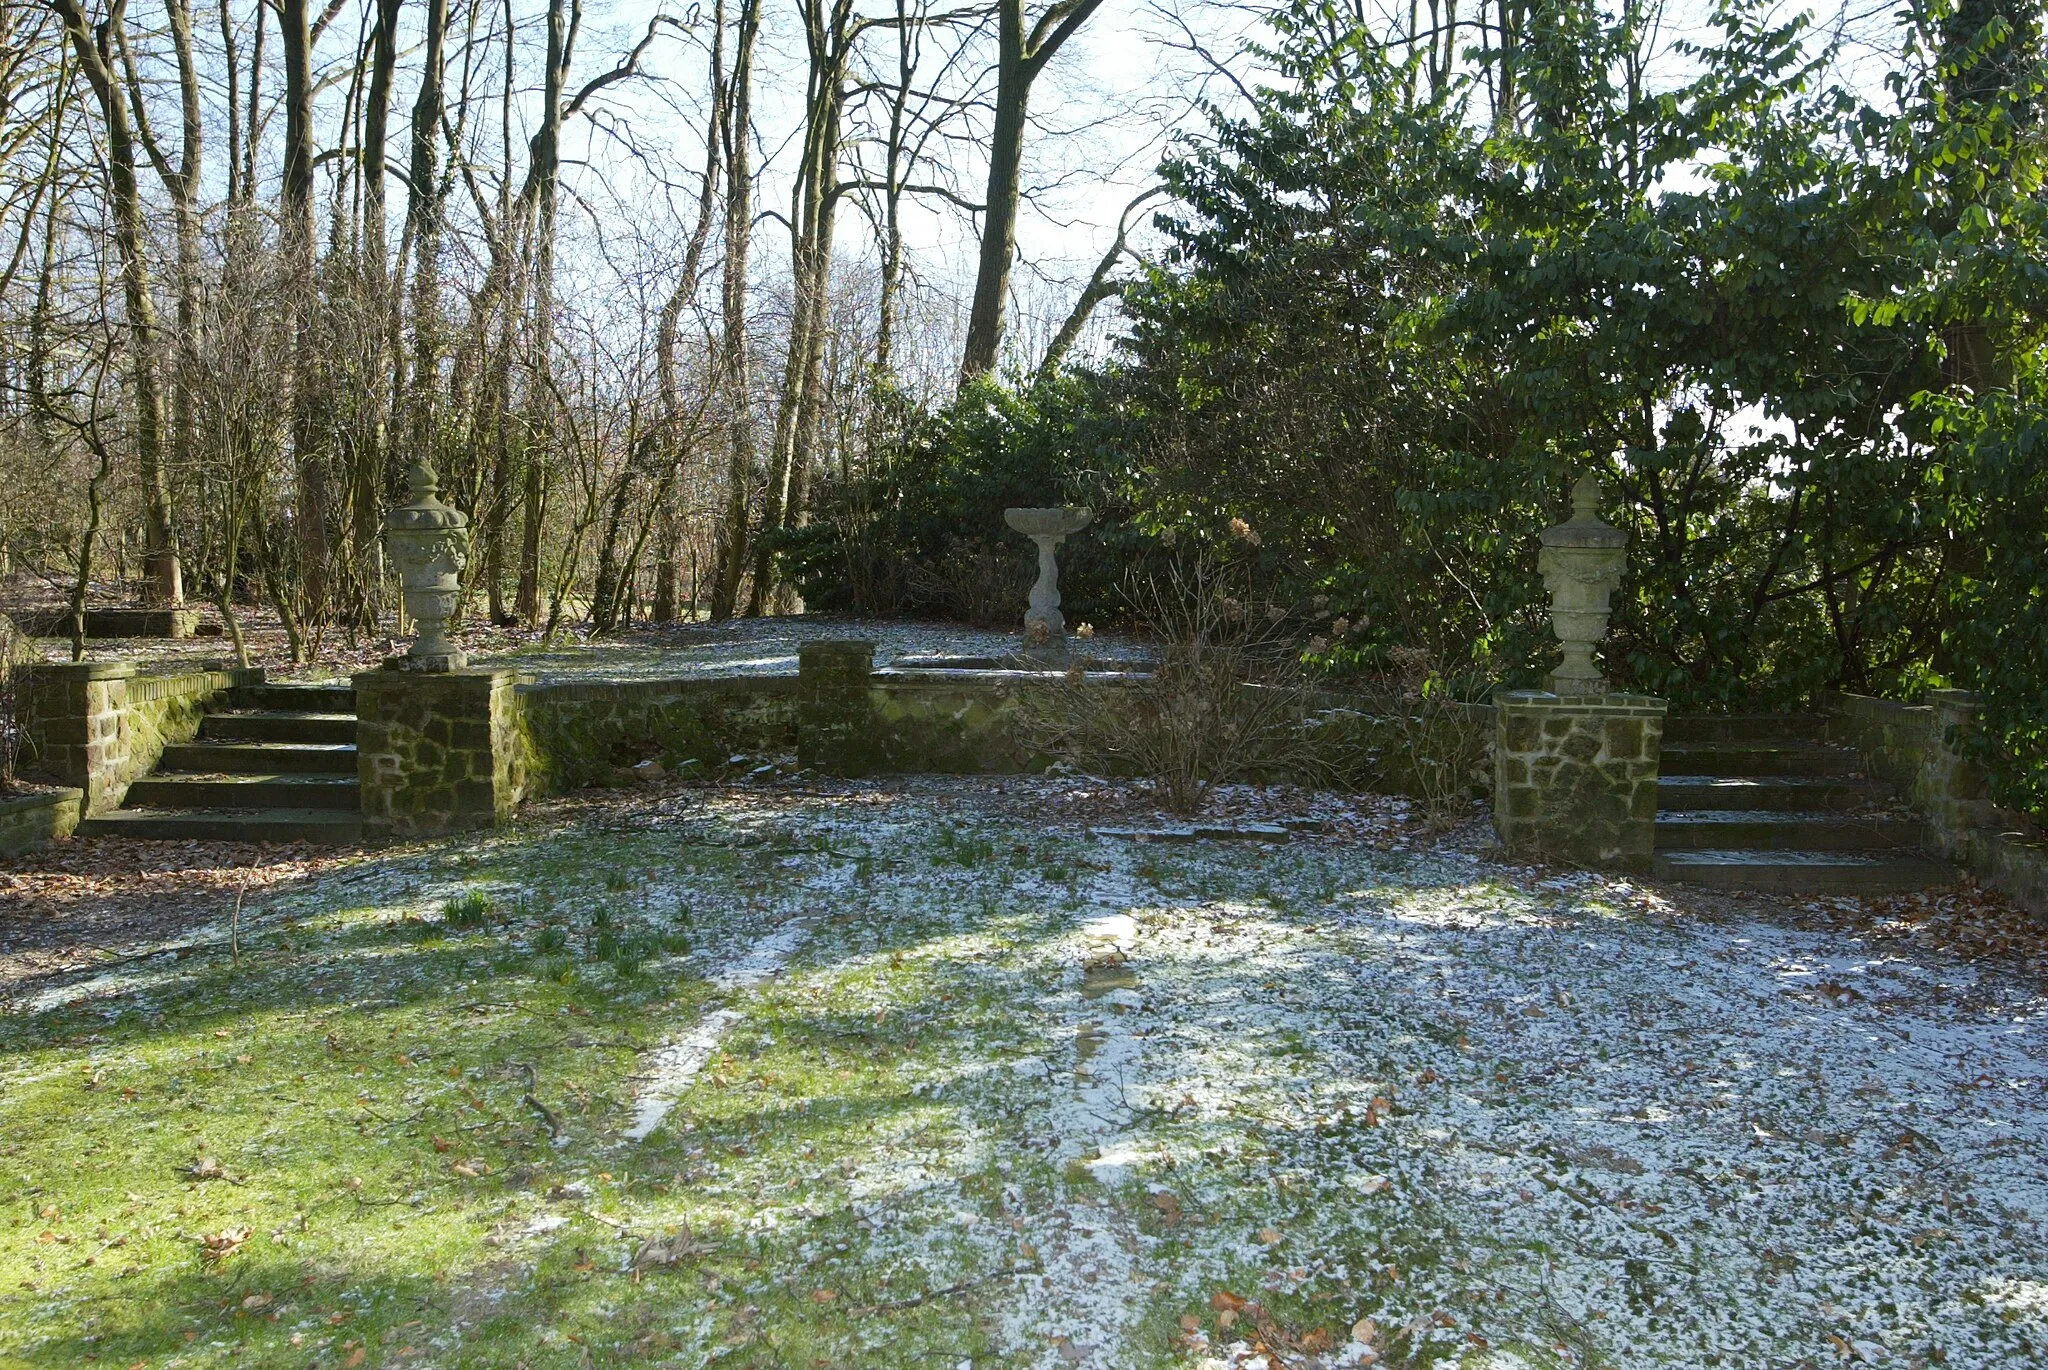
[[1337, 1100], [959, 1072]]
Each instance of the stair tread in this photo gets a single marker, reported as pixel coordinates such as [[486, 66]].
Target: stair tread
[[264, 744], [331, 817], [1787, 816], [252, 778], [1770, 856], [321, 715], [1768, 782]]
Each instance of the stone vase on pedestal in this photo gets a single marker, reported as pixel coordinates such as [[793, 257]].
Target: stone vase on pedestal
[[1045, 629], [1581, 564], [427, 541], [1575, 766]]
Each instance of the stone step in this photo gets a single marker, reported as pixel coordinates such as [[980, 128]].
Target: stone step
[[1783, 793], [326, 827], [1758, 759], [1707, 829], [246, 792], [277, 725], [1744, 728], [1803, 872], [336, 698], [259, 758]]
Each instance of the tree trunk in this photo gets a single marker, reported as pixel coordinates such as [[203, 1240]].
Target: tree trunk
[[368, 481], [816, 198], [309, 457], [546, 168], [424, 227], [1021, 56], [729, 559], [96, 60], [182, 184]]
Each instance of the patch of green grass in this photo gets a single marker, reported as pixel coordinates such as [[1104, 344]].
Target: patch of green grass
[[470, 909]]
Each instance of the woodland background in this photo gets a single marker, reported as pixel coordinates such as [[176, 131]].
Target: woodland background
[[653, 293]]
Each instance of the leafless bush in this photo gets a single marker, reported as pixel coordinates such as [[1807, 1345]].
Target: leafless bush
[[1226, 701], [16, 650], [1414, 737], [974, 583]]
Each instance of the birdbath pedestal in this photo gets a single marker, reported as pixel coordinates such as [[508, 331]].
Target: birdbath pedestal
[[1045, 631]]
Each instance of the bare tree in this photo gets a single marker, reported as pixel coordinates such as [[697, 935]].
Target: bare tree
[[729, 557], [95, 47], [1023, 52]]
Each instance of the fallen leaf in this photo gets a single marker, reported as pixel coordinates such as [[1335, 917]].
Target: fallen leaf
[[222, 1244]]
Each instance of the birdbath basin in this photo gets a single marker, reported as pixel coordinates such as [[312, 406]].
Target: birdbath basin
[[1045, 631], [1048, 523]]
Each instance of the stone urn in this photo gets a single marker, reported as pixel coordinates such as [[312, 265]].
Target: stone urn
[[1045, 631], [427, 541], [1581, 563]]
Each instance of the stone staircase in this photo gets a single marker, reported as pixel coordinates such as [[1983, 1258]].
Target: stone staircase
[[1764, 802], [278, 764]]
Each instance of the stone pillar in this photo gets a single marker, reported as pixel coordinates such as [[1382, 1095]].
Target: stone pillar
[[438, 752], [835, 720], [1575, 776], [1952, 784], [75, 730]]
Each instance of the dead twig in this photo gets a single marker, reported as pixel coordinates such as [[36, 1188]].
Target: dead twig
[[557, 1133]]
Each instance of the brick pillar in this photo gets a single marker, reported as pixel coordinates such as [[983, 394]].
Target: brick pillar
[[74, 728], [1575, 776], [438, 752], [835, 720]]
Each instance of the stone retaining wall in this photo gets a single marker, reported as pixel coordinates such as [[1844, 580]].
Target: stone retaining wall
[[589, 732], [100, 725], [1922, 751], [30, 822]]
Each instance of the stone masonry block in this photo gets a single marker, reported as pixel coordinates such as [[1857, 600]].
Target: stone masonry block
[[1575, 776]]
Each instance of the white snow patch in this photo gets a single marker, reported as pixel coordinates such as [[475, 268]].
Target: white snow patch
[[671, 1069]]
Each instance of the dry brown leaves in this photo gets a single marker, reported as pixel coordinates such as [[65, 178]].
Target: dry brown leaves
[[1964, 921], [83, 901]]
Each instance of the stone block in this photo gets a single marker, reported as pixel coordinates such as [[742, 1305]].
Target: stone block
[[835, 708], [1624, 737], [437, 751]]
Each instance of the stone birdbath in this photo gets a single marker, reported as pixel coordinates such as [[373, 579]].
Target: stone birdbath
[[427, 541], [1045, 631], [1581, 563]]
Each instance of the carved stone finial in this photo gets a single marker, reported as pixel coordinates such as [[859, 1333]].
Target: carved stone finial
[[1586, 494], [428, 541], [1581, 563]]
